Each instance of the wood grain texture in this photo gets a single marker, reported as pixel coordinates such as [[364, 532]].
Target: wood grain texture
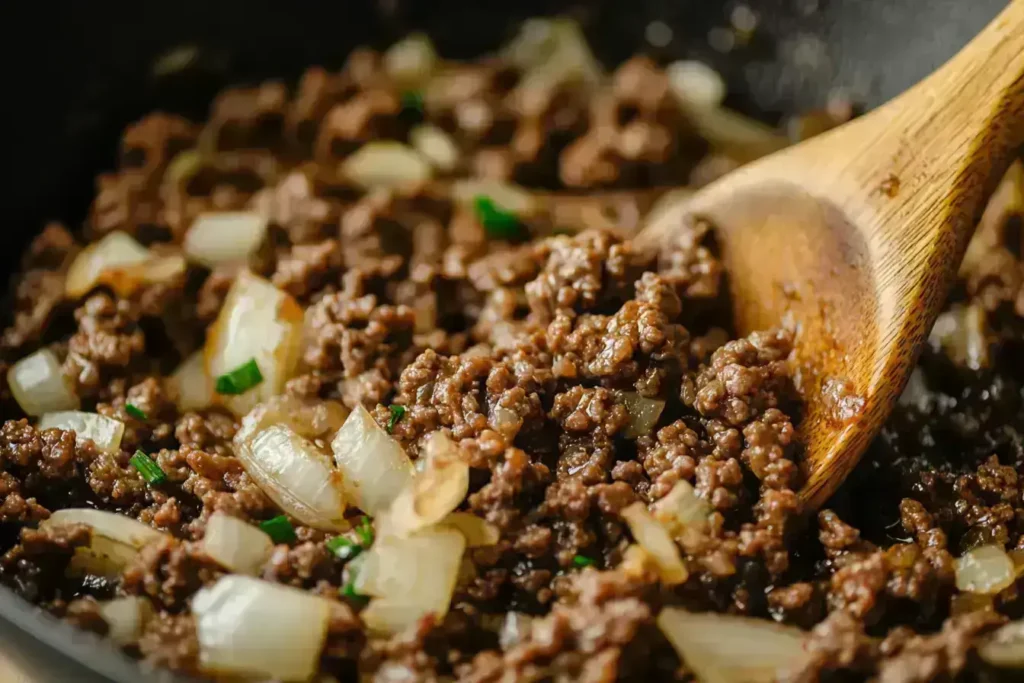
[[854, 237]]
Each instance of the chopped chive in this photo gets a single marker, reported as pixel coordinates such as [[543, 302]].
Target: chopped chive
[[397, 413], [148, 468], [344, 548], [497, 222], [279, 529], [583, 561], [412, 99], [349, 591], [241, 379], [365, 532], [135, 411]]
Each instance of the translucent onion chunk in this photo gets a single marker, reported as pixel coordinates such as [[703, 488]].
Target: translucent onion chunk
[[236, 545], [38, 385], [682, 507], [986, 569], [435, 491], [225, 237], [116, 539], [375, 467], [386, 163], [1005, 647], [643, 413], [436, 146], [193, 386], [126, 618], [249, 627], [121, 263], [411, 61], [654, 538], [477, 531]]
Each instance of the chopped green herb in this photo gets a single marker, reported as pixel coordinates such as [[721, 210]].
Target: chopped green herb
[[412, 99], [148, 468], [279, 529], [397, 413], [241, 379], [344, 548], [365, 532], [497, 222], [583, 561], [135, 411], [349, 591]]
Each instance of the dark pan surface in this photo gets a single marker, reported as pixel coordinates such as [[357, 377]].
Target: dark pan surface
[[89, 71]]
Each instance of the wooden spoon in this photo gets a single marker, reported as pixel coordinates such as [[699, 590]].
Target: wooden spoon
[[854, 237]]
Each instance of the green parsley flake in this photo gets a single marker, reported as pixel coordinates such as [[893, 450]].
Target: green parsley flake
[[344, 548], [583, 561], [148, 468], [279, 529], [241, 379], [397, 413], [413, 100], [135, 411], [365, 532], [496, 221]]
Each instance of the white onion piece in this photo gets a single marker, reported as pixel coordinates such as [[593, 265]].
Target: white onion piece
[[116, 539], [736, 135], [435, 491], [507, 196], [247, 626], [126, 617], [375, 467], [722, 648], [411, 61], [193, 385], [38, 385], [960, 332], [386, 163], [1005, 647], [515, 629], [986, 569], [436, 146], [552, 52], [643, 413], [235, 545], [310, 419], [653, 537], [258, 321], [104, 432], [681, 508], [228, 237], [477, 531], [696, 84], [295, 475], [415, 575], [115, 250]]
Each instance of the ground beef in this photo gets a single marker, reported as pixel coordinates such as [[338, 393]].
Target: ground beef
[[530, 339]]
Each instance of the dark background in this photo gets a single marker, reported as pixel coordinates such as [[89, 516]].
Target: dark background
[[75, 72]]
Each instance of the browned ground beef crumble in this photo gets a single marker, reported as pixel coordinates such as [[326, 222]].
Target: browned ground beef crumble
[[521, 350]]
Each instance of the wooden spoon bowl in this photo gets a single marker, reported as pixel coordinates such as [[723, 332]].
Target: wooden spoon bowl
[[853, 238]]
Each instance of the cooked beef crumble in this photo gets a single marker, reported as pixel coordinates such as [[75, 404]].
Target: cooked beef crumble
[[531, 350]]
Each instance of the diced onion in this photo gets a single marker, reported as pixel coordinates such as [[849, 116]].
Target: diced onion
[[735, 135], [986, 569], [38, 385], [722, 648], [682, 507], [121, 263], [386, 163], [235, 545], [375, 467], [126, 617], [643, 413], [115, 250], [310, 419], [250, 627], [506, 196], [228, 237], [414, 575], [653, 537], [435, 491], [436, 146], [477, 531], [258, 321], [551, 52], [1005, 647], [295, 475], [104, 432], [514, 630], [411, 61], [960, 332], [116, 539], [194, 386], [696, 84]]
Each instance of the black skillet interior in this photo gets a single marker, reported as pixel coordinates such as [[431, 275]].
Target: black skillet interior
[[90, 71]]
